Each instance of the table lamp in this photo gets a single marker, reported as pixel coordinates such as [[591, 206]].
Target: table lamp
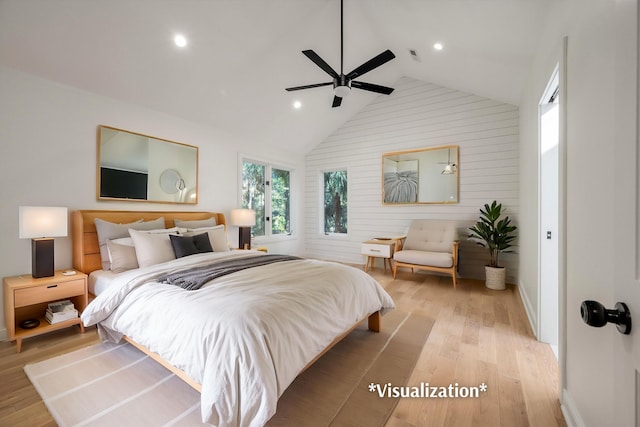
[[244, 219], [41, 224]]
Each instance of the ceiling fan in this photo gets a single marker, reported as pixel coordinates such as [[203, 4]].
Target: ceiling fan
[[451, 168], [342, 83]]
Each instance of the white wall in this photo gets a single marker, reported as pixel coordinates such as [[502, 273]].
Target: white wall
[[48, 157], [588, 377], [418, 115]]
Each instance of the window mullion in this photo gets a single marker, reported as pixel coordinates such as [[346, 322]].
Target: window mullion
[[267, 201]]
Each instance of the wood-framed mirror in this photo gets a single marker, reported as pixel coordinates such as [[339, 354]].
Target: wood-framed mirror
[[135, 167], [421, 176]]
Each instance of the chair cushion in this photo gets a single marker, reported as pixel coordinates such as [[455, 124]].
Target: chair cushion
[[431, 235], [432, 259]]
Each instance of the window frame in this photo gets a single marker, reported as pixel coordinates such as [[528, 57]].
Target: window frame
[[269, 166]]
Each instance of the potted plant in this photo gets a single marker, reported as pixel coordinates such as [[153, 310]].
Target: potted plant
[[495, 233]]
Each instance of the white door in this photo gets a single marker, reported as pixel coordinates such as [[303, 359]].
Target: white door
[[626, 281], [602, 370]]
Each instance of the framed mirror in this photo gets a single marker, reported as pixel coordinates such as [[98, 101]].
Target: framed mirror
[[136, 167], [427, 175]]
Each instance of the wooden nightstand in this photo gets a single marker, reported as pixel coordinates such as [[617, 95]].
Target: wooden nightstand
[[257, 248], [380, 248], [27, 298]]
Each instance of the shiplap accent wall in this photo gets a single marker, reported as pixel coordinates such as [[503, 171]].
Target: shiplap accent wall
[[417, 115]]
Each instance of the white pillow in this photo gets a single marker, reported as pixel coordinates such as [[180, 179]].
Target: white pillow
[[109, 230], [174, 230], [153, 247], [217, 237], [126, 241], [211, 222], [122, 255]]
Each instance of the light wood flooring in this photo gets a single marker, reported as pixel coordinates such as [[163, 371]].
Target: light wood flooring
[[479, 336]]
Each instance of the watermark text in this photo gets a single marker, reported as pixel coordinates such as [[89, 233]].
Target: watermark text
[[426, 391]]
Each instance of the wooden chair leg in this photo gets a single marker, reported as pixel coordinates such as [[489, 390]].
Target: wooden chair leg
[[395, 269]]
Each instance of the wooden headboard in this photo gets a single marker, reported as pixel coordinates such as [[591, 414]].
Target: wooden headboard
[[86, 251]]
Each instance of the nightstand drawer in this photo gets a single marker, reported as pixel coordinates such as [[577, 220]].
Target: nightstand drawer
[[48, 293], [370, 249]]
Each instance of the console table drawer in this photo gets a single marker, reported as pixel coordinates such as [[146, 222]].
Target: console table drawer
[[371, 249], [48, 293]]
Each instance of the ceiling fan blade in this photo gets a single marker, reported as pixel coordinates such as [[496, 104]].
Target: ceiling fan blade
[[372, 88], [375, 62], [320, 63], [336, 101], [308, 86]]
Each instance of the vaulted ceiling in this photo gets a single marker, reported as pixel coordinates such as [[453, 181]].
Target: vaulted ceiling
[[241, 54]]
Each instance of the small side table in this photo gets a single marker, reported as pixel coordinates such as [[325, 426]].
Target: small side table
[[27, 298], [257, 248], [379, 248]]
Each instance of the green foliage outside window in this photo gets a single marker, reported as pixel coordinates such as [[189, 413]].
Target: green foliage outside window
[[280, 204], [335, 202], [255, 191]]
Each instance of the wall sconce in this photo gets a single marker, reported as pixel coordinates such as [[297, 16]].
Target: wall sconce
[[41, 224], [244, 219]]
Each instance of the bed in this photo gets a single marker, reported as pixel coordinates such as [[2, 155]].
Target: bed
[[240, 338]]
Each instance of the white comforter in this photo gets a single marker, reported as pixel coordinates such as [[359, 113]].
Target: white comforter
[[244, 337]]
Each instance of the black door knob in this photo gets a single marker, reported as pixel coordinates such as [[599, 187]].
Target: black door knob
[[595, 314]]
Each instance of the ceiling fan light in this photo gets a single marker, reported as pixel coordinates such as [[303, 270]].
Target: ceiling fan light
[[180, 40], [450, 169], [341, 91]]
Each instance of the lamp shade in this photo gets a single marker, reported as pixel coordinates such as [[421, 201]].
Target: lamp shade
[[42, 221], [243, 217]]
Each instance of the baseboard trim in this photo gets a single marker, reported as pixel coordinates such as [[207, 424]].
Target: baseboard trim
[[3, 335], [569, 410], [528, 308]]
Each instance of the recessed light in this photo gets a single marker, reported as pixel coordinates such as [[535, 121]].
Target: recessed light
[[438, 46], [180, 40], [297, 105]]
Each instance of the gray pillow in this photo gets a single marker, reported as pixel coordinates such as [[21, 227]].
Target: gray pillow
[[110, 230], [211, 222]]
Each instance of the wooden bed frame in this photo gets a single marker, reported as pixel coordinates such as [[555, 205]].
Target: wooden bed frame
[[86, 258]]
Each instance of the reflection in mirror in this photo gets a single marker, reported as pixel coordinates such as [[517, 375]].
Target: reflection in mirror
[[137, 167], [428, 175]]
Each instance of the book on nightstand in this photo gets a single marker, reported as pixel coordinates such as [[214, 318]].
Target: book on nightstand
[[60, 311]]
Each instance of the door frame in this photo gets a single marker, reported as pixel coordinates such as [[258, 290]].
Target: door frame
[[562, 218], [544, 261]]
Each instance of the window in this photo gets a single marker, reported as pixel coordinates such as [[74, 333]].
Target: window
[[335, 202], [267, 190], [280, 204]]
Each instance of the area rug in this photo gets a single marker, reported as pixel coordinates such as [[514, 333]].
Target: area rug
[[117, 385]]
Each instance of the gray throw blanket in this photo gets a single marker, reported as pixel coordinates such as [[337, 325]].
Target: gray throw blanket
[[193, 278]]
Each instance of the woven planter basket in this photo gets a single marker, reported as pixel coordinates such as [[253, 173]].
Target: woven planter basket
[[495, 277]]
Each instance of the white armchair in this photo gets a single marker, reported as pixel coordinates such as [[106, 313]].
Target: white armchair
[[430, 245]]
